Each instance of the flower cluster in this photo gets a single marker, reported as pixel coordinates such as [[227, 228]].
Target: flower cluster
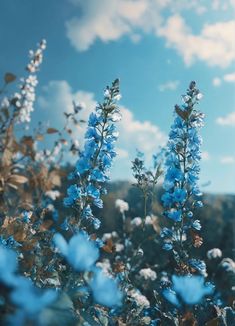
[[75, 276], [25, 100], [82, 253], [94, 163], [187, 289], [182, 195], [29, 300]]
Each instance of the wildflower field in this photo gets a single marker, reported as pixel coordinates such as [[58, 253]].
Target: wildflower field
[[78, 248]]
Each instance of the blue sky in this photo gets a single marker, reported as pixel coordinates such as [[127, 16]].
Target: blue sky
[[155, 47]]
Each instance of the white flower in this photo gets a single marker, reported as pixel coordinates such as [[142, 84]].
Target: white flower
[[117, 97], [148, 220], [107, 93], [121, 205], [5, 103], [137, 221], [228, 264], [53, 194], [199, 96], [119, 247], [105, 266], [186, 98], [139, 298], [148, 273], [214, 253], [106, 236], [26, 99]]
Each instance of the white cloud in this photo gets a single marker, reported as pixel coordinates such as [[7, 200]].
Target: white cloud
[[228, 160], [110, 20], [58, 97], [228, 120], [144, 135], [170, 85], [105, 20], [215, 44], [122, 153], [216, 81], [205, 156], [228, 78]]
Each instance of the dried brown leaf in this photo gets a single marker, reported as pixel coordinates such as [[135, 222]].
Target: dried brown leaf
[[9, 77]]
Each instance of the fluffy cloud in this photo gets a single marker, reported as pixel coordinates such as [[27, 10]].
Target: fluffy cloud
[[227, 160], [110, 20], [170, 85], [57, 98], [216, 81], [105, 20], [215, 44], [228, 78], [228, 120]]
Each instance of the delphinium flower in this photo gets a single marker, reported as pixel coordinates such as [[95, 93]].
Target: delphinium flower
[[25, 100], [82, 254], [92, 168], [105, 289], [29, 300], [183, 154], [80, 251], [189, 290]]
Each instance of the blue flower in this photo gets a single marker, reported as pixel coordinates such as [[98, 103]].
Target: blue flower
[[92, 167], [82, 165], [191, 289], [198, 265], [93, 120], [171, 296], [26, 216], [196, 225], [92, 191], [98, 175], [167, 199], [175, 215], [8, 265], [80, 252], [174, 174], [167, 246], [182, 165], [190, 214], [92, 133], [166, 233], [105, 290], [96, 223], [30, 299], [74, 192], [179, 195]]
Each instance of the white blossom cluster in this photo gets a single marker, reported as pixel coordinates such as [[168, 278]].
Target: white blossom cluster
[[139, 298], [105, 266], [121, 205], [228, 264], [148, 273], [137, 221], [52, 194], [214, 253], [25, 100]]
